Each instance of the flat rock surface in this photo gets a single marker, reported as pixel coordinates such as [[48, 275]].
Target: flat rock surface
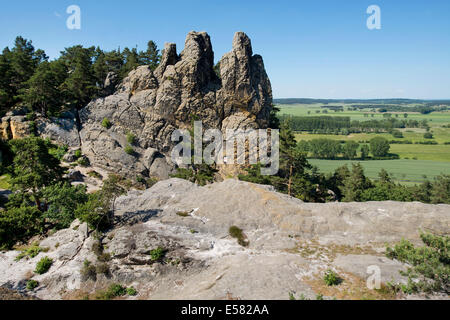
[[291, 245]]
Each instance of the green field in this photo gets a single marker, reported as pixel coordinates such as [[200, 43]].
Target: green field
[[435, 119], [438, 152], [417, 162], [405, 171]]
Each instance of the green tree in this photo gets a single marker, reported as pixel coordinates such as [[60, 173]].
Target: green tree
[[33, 166], [112, 188], [16, 67], [98, 210], [62, 200], [325, 148], [440, 192], [379, 146], [19, 224], [43, 89], [95, 212], [24, 61], [151, 56], [355, 184], [364, 152], [6, 90], [274, 121], [80, 86], [428, 266], [100, 67], [131, 61], [349, 150]]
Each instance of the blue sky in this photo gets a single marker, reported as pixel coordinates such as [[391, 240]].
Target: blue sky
[[314, 49]]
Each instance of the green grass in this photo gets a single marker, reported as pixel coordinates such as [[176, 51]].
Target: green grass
[[438, 152], [404, 171]]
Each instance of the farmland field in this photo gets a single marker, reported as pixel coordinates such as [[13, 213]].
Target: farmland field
[[417, 163], [435, 119], [404, 171]]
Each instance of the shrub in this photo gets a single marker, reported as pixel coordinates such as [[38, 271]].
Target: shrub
[[59, 152], [331, 278], [95, 174], [104, 257], [114, 290], [131, 138], [88, 271], [94, 212], [429, 269], [78, 153], [43, 265], [129, 150], [62, 200], [183, 213], [157, 254], [19, 224], [428, 135], [141, 180], [31, 252], [237, 233], [32, 284], [102, 268], [83, 161], [106, 123], [32, 126], [131, 291]]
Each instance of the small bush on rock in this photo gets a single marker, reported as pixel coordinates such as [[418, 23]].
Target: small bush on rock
[[131, 291], [43, 265], [32, 284], [114, 290], [106, 123], [88, 271], [331, 278], [129, 150], [237, 233], [157, 254], [131, 138]]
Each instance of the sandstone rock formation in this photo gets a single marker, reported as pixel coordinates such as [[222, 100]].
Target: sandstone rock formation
[[151, 105], [291, 245]]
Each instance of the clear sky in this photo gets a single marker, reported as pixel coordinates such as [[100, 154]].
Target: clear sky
[[311, 49]]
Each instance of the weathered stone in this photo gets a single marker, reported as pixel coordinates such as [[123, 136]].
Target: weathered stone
[[291, 245], [151, 105], [74, 175]]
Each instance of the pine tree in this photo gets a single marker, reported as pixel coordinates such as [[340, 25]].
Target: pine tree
[[33, 167], [80, 85], [131, 61], [151, 56], [43, 89]]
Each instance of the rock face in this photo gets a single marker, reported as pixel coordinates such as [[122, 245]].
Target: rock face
[[291, 245], [151, 105], [63, 130]]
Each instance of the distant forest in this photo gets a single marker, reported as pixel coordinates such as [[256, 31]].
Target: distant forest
[[368, 101]]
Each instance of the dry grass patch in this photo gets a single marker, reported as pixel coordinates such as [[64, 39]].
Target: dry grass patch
[[351, 288]]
